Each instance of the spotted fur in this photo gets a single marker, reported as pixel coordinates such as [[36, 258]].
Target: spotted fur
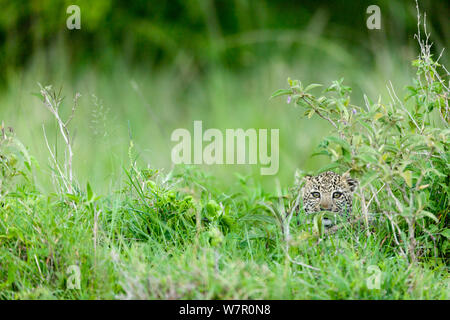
[[328, 191]]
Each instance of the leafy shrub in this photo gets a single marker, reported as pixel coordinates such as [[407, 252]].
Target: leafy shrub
[[14, 160], [399, 151], [154, 209]]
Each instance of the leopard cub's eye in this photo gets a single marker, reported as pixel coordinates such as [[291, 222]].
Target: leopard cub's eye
[[337, 195], [315, 194]]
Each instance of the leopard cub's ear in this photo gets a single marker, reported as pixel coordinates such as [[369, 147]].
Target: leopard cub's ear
[[352, 183]]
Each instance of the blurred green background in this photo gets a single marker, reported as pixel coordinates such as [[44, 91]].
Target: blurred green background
[[146, 68]]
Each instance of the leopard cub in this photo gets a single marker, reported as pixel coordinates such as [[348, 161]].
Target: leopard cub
[[328, 191]]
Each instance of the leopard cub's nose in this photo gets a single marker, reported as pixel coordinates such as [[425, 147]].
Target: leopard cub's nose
[[325, 205]]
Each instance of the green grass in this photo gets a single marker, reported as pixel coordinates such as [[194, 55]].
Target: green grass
[[153, 240], [169, 256], [154, 103]]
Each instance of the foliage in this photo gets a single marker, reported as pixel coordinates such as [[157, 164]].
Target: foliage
[[185, 233], [15, 161], [399, 150]]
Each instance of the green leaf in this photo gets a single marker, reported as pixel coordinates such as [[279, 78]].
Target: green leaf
[[317, 224], [344, 144], [407, 176], [213, 210], [378, 116], [367, 158], [321, 153], [72, 197], [367, 126], [90, 194], [429, 214], [368, 178], [312, 86], [446, 233], [281, 92]]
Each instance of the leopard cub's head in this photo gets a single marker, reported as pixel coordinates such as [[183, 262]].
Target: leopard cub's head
[[328, 191]]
